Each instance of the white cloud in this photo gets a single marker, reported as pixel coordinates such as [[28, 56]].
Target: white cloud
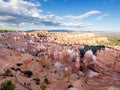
[[108, 2], [102, 16], [17, 12], [83, 16], [23, 14], [52, 17], [75, 24]]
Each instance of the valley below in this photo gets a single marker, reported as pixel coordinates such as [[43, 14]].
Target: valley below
[[42, 60]]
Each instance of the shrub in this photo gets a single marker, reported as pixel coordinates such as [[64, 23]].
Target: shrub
[[18, 69], [43, 86], [28, 73], [70, 86], [7, 85], [93, 48], [8, 72], [37, 80], [19, 64], [46, 81], [12, 68]]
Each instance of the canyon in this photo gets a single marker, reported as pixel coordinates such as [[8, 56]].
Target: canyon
[[53, 60]]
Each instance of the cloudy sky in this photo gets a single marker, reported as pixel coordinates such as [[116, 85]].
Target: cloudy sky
[[60, 14]]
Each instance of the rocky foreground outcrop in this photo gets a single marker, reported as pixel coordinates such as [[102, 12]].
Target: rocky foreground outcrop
[[9, 58], [104, 67], [56, 66]]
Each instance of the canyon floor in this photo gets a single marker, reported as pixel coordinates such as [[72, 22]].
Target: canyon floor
[[43, 60]]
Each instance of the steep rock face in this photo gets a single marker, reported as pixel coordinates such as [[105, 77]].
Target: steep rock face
[[9, 58], [6, 58], [105, 67], [89, 58], [108, 62]]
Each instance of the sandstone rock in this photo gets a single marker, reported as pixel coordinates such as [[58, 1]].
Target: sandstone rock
[[57, 64]]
